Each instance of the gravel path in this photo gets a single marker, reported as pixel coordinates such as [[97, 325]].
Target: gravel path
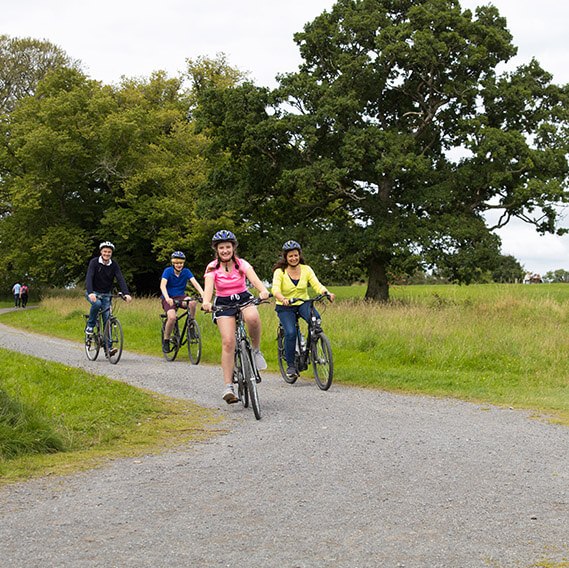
[[344, 478]]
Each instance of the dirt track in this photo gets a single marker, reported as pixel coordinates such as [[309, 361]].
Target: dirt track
[[344, 478]]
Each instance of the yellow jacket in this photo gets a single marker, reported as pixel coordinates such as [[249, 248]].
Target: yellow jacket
[[282, 284]]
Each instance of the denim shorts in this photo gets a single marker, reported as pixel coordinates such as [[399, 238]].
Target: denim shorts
[[239, 299]]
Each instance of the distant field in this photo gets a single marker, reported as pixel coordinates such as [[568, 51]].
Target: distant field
[[501, 344]]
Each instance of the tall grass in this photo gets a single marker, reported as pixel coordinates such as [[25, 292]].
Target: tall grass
[[503, 344]]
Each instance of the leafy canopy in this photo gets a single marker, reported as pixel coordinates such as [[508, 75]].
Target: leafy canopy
[[396, 135]]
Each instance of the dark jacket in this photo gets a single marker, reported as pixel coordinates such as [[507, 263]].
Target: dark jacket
[[100, 277]]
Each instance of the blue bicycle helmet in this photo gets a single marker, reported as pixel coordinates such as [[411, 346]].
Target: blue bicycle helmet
[[107, 244], [291, 245], [178, 254], [223, 236]]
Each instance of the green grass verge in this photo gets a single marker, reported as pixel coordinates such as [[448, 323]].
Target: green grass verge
[[58, 419]]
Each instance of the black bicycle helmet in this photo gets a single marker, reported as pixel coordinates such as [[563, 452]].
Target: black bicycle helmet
[[106, 244], [178, 254], [291, 245], [223, 236]]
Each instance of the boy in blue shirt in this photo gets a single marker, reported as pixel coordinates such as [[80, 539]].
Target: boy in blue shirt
[[173, 287]]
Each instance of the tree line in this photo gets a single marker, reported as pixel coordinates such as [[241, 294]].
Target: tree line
[[380, 154]]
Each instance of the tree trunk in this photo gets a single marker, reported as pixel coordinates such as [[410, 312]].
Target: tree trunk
[[377, 286]]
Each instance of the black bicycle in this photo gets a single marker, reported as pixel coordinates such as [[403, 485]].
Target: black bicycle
[[111, 338], [315, 348], [189, 335], [245, 372]]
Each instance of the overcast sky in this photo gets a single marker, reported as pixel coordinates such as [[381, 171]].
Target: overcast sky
[[113, 38]]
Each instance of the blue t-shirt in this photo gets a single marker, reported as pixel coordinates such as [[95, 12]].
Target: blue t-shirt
[[176, 285]]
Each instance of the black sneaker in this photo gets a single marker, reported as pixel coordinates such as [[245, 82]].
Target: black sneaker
[[166, 346], [291, 372]]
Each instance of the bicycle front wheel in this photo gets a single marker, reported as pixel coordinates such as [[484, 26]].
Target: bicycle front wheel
[[194, 342], [113, 340], [250, 376], [322, 361], [174, 342], [93, 344], [282, 358], [238, 377]]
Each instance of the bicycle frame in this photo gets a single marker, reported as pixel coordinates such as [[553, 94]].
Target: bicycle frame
[[188, 317], [242, 336]]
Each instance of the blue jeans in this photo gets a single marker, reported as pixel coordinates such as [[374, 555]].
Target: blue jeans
[[103, 302], [287, 317]]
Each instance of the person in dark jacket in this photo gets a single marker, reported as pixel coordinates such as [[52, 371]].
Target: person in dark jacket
[[102, 273]]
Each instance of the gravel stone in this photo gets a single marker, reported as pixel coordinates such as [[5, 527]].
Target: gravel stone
[[345, 478]]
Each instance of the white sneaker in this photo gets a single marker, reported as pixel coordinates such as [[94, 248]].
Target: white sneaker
[[229, 395], [260, 360]]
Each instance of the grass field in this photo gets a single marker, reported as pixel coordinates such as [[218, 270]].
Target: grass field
[[501, 344]]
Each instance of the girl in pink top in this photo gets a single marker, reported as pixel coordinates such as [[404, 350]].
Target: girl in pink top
[[228, 275]]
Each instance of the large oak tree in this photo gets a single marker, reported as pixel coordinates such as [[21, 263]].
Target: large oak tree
[[393, 139], [400, 107]]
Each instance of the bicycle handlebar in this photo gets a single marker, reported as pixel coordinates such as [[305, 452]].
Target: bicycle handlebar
[[318, 298], [251, 302], [188, 299], [111, 295]]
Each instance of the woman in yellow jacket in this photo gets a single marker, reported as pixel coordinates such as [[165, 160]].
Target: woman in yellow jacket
[[291, 278]]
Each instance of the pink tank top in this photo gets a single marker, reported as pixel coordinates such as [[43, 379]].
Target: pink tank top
[[228, 283]]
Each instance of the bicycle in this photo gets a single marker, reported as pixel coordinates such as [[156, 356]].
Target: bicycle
[[315, 349], [190, 334], [245, 372], [111, 339]]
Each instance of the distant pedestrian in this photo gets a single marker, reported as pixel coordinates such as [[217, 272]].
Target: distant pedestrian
[[16, 291], [24, 292]]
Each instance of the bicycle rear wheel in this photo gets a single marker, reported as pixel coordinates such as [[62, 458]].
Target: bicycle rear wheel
[[194, 342], [250, 377], [113, 340], [93, 344], [322, 361], [174, 341]]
